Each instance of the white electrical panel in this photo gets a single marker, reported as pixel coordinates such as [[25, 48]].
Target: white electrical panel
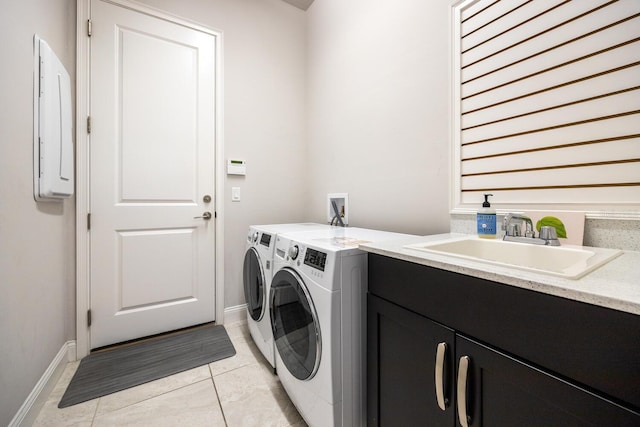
[[53, 174]]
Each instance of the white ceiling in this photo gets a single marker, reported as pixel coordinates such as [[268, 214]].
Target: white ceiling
[[301, 4]]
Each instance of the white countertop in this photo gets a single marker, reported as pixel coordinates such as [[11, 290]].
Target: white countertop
[[614, 285]]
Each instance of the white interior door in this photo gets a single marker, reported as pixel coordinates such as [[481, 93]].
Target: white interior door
[[152, 140]]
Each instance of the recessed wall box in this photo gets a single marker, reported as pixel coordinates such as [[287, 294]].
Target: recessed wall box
[[341, 201], [236, 167], [53, 175]]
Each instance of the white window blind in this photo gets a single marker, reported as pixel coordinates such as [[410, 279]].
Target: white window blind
[[547, 102]]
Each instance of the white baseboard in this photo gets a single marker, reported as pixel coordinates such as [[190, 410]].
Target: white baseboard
[[235, 313], [31, 407]]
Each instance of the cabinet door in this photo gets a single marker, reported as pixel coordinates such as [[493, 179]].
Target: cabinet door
[[402, 351], [499, 390]]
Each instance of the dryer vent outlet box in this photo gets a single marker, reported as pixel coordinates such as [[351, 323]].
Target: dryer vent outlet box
[[52, 126]]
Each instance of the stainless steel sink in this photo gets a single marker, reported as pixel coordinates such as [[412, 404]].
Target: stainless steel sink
[[570, 262]]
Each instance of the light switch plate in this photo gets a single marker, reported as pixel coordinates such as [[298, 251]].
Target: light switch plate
[[235, 194]]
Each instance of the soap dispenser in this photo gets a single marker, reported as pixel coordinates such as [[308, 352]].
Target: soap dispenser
[[486, 220]]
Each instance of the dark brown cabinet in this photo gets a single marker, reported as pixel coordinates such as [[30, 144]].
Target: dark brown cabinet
[[402, 349], [505, 391], [444, 347]]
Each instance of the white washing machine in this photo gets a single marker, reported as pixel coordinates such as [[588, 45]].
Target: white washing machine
[[258, 261], [318, 315]]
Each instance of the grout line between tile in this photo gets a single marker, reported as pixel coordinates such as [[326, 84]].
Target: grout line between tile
[[224, 418], [95, 412], [153, 397], [231, 370]]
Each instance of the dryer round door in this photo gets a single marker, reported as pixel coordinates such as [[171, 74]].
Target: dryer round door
[[254, 285], [296, 330]]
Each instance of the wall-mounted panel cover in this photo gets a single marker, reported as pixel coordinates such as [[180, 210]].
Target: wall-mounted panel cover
[[53, 126]]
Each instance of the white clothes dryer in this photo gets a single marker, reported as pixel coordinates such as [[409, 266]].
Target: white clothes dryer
[[318, 315], [257, 273]]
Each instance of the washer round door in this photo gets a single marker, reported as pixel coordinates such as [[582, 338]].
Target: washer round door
[[296, 330], [254, 285]]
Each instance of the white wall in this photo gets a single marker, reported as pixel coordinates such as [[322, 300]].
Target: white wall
[[37, 249], [378, 103], [351, 96], [306, 94], [264, 115]]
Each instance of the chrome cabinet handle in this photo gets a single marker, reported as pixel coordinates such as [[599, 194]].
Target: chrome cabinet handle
[[206, 215], [441, 352], [463, 369]]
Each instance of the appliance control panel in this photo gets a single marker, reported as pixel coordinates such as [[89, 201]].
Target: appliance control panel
[[315, 259], [265, 240]]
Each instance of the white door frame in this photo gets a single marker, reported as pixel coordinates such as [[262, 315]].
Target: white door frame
[[82, 165]]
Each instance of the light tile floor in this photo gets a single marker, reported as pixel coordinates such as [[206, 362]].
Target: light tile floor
[[238, 391]]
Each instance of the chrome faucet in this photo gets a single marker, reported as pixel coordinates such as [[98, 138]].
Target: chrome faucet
[[512, 225], [514, 229]]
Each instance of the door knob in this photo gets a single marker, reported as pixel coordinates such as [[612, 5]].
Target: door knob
[[206, 215]]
